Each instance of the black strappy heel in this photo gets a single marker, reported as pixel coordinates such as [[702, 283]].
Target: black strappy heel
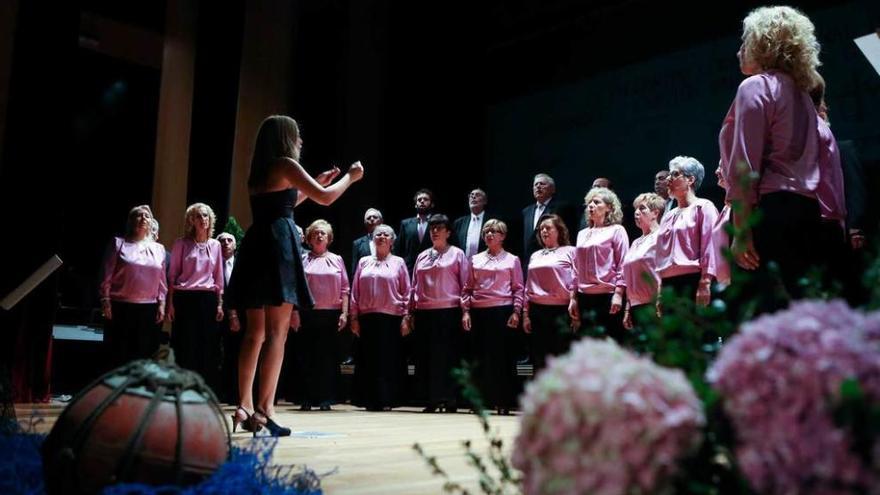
[[245, 419]]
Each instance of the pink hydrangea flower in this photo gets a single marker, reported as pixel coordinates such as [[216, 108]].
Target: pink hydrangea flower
[[601, 420], [779, 379]]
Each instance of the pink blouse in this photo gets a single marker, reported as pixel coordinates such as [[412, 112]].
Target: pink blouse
[[830, 192], [380, 286], [639, 270], [438, 281], [684, 241], [494, 281], [327, 279], [771, 127], [599, 259], [551, 277], [196, 265], [134, 272], [720, 241]]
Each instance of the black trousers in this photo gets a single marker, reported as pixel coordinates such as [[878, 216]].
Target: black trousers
[[315, 355], [437, 344], [380, 368], [231, 347], [132, 333], [195, 334], [596, 321], [551, 333], [494, 356]]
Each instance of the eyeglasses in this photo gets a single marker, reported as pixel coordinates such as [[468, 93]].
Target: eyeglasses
[[674, 174]]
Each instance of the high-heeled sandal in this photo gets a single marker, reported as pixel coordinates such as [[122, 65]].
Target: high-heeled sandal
[[274, 428], [242, 417]]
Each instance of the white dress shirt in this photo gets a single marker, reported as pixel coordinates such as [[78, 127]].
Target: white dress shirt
[[227, 268], [473, 234], [539, 210]]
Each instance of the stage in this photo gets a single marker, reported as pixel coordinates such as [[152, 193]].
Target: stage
[[370, 451]]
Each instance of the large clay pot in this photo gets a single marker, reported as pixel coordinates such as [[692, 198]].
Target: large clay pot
[[145, 422]]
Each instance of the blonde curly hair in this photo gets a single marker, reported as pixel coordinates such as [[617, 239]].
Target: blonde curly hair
[[189, 219], [784, 39], [614, 216]]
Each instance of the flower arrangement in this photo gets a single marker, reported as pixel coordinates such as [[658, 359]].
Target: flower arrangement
[[783, 382], [602, 420]]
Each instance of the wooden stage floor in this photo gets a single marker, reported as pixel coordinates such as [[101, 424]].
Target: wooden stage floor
[[370, 451]]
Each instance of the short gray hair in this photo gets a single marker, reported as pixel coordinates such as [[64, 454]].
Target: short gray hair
[[545, 176], [385, 227], [689, 167], [373, 209]]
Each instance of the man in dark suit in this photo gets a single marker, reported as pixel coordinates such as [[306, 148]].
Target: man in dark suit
[[363, 246], [413, 236], [661, 187], [467, 230], [231, 339], [543, 189]]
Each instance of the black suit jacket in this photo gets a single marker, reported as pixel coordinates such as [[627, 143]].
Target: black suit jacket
[[407, 245], [359, 248], [460, 231], [530, 241]]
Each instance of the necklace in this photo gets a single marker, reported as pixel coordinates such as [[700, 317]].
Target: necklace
[[547, 251], [435, 254]]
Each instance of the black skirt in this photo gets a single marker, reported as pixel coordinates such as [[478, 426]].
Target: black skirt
[[132, 333], [683, 285], [380, 368], [596, 321], [788, 234], [195, 334], [268, 267], [316, 366], [551, 332], [437, 345], [493, 356]]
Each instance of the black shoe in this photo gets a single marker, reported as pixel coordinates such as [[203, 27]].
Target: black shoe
[[324, 406], [450, 408], [246, 420], [430, 409], [305, 407], [274, 428], [503, 411]]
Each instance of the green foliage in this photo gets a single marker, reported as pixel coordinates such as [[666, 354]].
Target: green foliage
[[234, 228], [858, 414], [871, 281], [494, 473]]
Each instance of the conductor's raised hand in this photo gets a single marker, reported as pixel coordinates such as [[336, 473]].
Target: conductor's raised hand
[[356, 171]]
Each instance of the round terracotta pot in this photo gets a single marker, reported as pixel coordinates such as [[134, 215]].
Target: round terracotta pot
[[145, 422]]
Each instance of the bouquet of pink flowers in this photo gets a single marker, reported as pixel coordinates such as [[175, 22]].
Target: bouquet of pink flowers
[[780, 380], [601, 420]]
